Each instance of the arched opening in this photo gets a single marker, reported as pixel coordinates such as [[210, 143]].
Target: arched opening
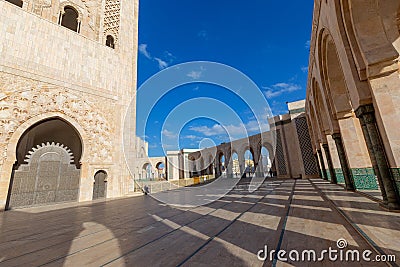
[[51, 130], [70, 19], [335, 80], [47, 167], [356, 174], [160, 166], [324, 113], [249, 168], [221, 164], [235, 165], [147, 173], [18, 3], [266, 162], [100, 185], [110, 41]]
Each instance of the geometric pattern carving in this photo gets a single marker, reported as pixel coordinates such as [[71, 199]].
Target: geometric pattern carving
[[39, 5], [364, 178], [49, 175], [112, 18], [339, 176], [279, 154], [18, 107], [310, 166]]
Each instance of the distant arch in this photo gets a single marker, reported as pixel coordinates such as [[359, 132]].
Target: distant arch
[[100, 185], [69, 18], [110, 41], [147, 171]]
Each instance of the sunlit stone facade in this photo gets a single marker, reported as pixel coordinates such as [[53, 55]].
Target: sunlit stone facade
[[353, 94]]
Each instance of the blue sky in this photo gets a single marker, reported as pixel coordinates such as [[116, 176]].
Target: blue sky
[[266, 40]]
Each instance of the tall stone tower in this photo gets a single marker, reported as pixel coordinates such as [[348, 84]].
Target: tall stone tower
[[67, 76]]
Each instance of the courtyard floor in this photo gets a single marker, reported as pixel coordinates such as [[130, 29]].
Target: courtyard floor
[[140, 231]]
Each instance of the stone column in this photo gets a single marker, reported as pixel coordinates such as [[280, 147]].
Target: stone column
[[366, 114], [330, 163], [228, 166], [373, 159], [321, 160], [241, 164], [258, 167], [318, 165], [348, 177]]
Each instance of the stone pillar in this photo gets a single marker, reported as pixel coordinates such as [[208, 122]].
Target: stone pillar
[[228, 166], [321, 160], [241, 164], [366, 114], [348, 177], [258, 165], [373, 158], [318, 165], [330, 163]]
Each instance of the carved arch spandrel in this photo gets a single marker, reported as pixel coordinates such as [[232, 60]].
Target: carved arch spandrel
[[22, 106]]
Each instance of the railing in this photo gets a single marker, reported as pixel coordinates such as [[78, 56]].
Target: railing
[[159, 186]]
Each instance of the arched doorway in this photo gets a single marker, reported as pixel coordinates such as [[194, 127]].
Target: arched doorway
[[160, 170], [249, 168], [221, 164], [266, 162], [147, 173], [235, 165], [47, 169], [100, 185]]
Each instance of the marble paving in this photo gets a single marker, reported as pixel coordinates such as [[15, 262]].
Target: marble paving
[[140, 231]]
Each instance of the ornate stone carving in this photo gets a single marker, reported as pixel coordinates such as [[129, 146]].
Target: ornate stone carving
[[112, 18], [68, 3], [18, 107], [39, 5], [48, 176]]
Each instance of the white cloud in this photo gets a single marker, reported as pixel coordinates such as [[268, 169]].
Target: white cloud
[[194, 74], [234, 131], [169, 56], [169, 134], [304, 69], [307, 44], [143, 51], [191, 137], [279, 89], [161, 63], [170, 147]]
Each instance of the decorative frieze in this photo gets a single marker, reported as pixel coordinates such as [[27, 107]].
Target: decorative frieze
[[35, 98]]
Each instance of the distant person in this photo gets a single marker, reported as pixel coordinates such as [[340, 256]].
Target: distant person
[[146, 189]]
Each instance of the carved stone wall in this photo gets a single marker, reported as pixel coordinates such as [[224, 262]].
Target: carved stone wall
[[35, 98], [112, 18], [310, 166]]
